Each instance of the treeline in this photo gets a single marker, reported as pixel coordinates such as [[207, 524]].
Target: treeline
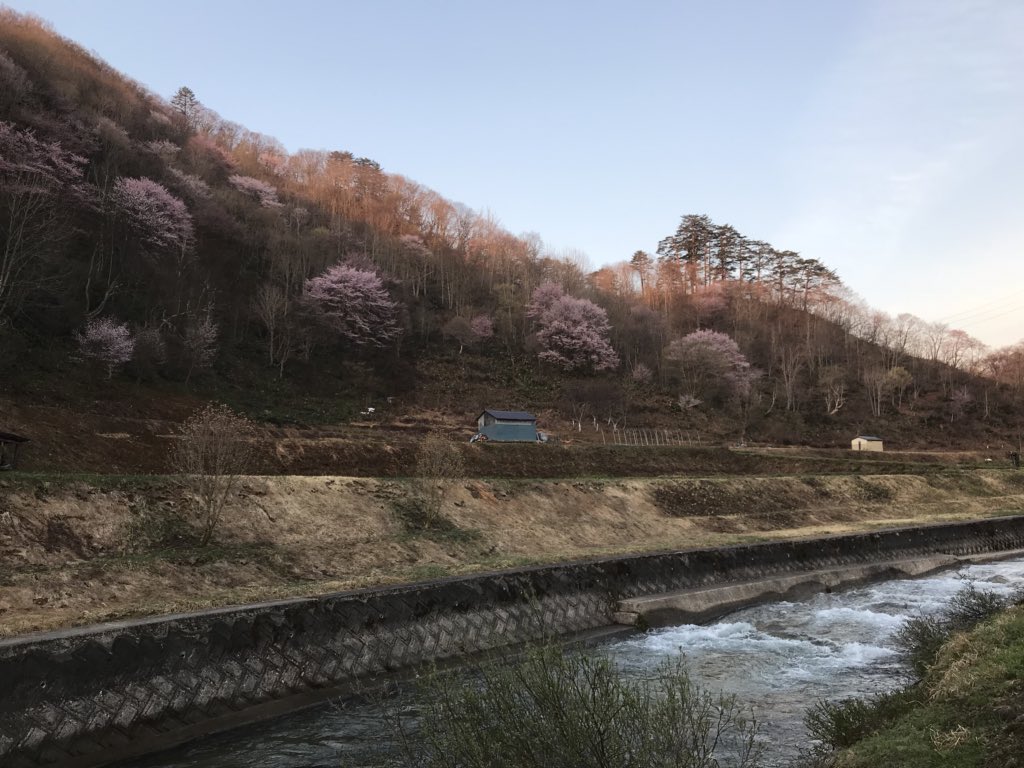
[[156, 235]]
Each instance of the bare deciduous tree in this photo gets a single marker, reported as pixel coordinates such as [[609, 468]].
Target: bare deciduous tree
[[833, 385], [214, 450], [200, 345], [437, 459], [271, 306]]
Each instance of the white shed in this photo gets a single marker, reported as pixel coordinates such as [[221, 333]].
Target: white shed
[[866, 443]]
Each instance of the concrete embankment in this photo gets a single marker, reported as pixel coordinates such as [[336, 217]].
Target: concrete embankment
[[88, 696], [695, 606]]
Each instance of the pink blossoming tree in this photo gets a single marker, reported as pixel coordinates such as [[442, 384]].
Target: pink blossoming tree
[[355, 304], [160, 220], [482, 327], [572, 333], [265, 193], [704, 362], [108, 342], [40, 184]]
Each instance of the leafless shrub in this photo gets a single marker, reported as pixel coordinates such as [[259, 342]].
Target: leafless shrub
[[437, 459], [215, 450]]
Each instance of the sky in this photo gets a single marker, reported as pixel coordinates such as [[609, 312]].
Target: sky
[[883, 137]]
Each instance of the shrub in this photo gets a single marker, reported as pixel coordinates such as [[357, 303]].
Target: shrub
[[550, 708], [214, 450], [437, 459], [841, 724], [921, 637]]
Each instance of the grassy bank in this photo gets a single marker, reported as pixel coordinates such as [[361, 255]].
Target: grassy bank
[[82, 549], [967, 710]]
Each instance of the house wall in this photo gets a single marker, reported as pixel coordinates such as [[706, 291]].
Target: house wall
[[866, 445], [511, 432], [85, 697]]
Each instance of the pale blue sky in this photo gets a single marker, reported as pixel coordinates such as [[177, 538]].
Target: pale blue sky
[[883, 137]]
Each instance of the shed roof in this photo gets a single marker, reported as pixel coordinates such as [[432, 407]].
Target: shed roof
[[510, 415], [9, 437], [868, 437]]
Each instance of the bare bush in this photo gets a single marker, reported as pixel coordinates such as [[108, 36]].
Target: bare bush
[[437, 459], [215, 450]]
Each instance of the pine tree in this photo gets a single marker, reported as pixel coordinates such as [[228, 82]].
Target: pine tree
[[185, 101]]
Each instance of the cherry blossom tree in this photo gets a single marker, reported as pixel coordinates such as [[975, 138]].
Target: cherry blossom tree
[[572, 333], [641, 374], [193, 186], [355, 304], [106, 341], [159, 220], [703, 361], [544, 296], [482, 327], [163, 148], [40, 183], [265, 193]]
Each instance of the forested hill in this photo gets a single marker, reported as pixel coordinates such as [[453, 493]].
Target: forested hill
[[153, 250]]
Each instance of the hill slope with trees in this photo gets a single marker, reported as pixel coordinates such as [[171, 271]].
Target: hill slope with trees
[[154, 255]]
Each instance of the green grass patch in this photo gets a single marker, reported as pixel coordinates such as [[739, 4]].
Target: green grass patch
[[963, 712]]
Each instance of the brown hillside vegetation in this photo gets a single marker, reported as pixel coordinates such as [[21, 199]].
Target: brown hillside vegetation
[[228, 295], [76, 552]]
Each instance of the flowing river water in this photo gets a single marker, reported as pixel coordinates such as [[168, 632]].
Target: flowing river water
[[780, 658]]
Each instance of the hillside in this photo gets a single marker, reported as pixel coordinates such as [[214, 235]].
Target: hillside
[[156, 256]]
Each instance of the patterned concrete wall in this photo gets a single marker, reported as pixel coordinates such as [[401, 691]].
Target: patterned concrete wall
[[85, 697]]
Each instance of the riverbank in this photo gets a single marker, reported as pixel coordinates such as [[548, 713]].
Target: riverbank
[[80, 550], [966, 711], [85, 697]]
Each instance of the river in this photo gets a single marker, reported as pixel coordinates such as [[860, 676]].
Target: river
[[780, 658]]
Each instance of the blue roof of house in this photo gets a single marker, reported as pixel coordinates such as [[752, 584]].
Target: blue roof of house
[[868, 437], [511, 415]]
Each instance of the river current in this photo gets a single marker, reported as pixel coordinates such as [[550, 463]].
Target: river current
[[779, 658]]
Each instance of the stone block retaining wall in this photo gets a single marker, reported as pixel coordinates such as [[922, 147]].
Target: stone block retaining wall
[[84, 697]]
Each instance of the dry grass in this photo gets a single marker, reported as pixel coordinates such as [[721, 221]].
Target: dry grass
[[73, 554]]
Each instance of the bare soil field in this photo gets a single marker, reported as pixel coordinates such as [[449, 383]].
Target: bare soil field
[[81, 550]]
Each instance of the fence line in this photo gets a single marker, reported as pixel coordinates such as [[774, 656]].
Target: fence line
[[645, 437]]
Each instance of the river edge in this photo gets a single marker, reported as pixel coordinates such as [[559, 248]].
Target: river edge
[[150, 680], [347, 723]]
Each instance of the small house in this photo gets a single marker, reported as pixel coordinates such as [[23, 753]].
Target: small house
[[507, 426], [866, 443], [9, 444]]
